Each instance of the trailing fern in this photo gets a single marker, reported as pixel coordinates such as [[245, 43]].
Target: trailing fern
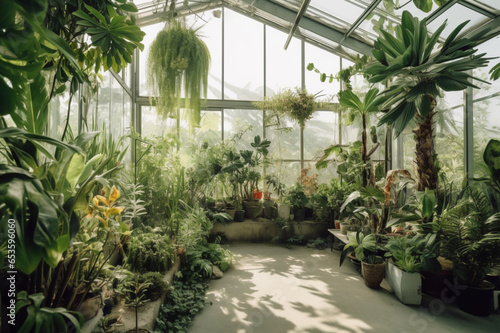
[[178, 63]]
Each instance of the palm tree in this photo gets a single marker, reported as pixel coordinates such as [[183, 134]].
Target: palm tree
[[370, 104], [416, 70]]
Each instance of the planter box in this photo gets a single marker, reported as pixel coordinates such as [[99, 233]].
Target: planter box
[[406, 286]]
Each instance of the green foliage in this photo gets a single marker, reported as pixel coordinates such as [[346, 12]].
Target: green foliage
[[491, 157], [318, 243], [163, 178], [115, 36], [495, 72], [47, 200], [202, 257], [184, 301], [136, 296], [134, 205], [470, 236], [178, 63], [366, 248], [243, 168], [413, 254], [44, 319], [418, 69], [150, 252], [345, 74], [193, 226], [295, 104], [296, 196]]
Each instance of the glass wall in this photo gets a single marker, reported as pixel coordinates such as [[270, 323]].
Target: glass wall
[[486, 103], [248, 63]]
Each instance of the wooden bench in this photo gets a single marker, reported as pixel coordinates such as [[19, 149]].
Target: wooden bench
[[339, 236]]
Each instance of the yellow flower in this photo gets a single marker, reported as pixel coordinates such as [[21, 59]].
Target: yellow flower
[[114, 195], [103, 200]]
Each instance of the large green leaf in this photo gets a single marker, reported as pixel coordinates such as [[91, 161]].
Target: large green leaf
[[491, 157]]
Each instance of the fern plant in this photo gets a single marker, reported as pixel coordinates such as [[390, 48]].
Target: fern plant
[[178, 63], [134, 204], [471, 237]]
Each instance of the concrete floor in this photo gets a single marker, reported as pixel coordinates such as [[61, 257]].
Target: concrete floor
[[272, 289]]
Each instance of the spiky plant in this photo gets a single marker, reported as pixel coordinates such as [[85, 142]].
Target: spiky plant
[[417, 69], [178, 62]]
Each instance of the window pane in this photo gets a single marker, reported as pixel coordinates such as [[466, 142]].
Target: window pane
[[103, 104], [492, 50], [450, 144], [285, 140], [117, 110], [210, 31], [320, 132], [282, 66], [243, 57], [151, 32], [248, 123], [59, 114], [327, 63], [154, 125], [287, 173], [486, 127]]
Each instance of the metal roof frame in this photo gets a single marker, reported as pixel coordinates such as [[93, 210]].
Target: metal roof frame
[[292, 17]]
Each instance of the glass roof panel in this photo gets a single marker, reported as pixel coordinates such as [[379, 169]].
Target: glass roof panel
[[329, 19], [493, 4], [455, 16], [343, 10]]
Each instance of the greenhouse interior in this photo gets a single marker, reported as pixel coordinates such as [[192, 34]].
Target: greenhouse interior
[[250, 166]]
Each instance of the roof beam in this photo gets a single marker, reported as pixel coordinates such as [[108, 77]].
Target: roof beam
[[361, 18], [301, 12], [440, 11], [309, 24]]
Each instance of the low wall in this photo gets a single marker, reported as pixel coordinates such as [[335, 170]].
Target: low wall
[[263, 230]]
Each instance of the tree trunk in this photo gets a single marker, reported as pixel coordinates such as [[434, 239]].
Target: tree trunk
[[364, 157], [425, 154]]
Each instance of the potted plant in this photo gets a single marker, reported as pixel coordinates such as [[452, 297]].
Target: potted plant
[[407, 257], [470, 238], [298, 200], [242, 168], [370, 253], [282, 208], [295, 104], [178, 63]]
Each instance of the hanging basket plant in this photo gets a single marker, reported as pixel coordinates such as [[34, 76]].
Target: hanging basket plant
[[178, 64], [295, 104]]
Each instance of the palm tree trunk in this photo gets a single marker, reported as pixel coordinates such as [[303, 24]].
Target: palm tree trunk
[[364, 157], [427, 171]]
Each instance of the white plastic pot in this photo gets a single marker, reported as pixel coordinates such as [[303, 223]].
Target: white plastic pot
[[284, 211], [406, 286]]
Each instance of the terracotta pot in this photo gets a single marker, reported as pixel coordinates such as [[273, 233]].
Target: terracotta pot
[[337, 224]]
